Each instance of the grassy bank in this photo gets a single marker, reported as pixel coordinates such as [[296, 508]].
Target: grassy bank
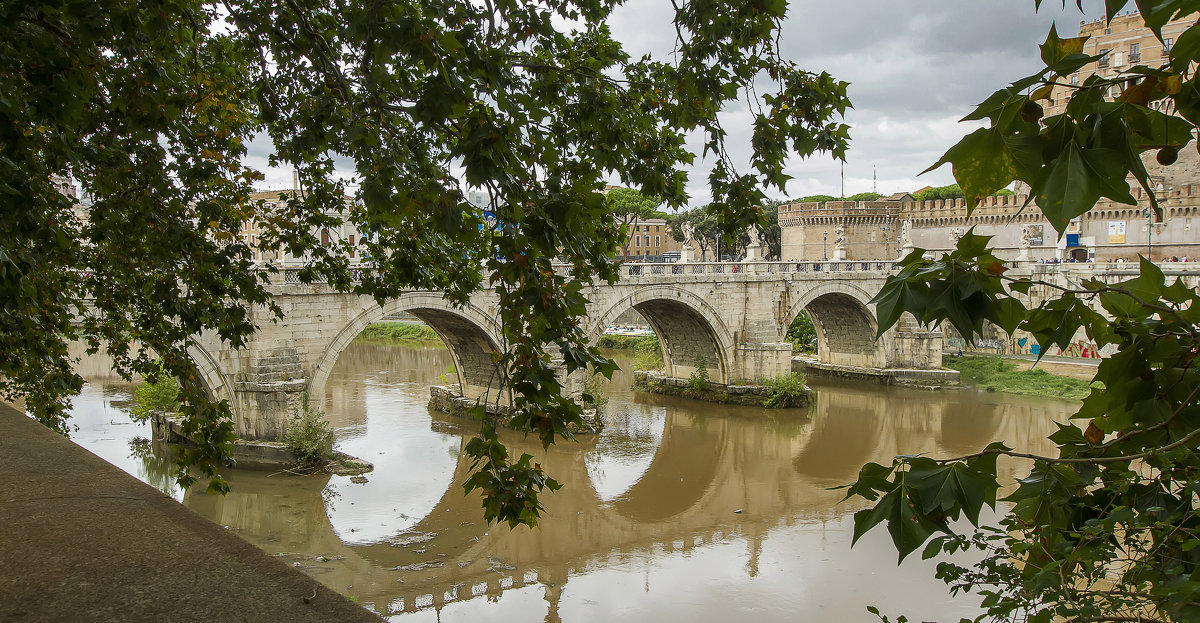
[[997, 375], [399, 333], [647, 353]]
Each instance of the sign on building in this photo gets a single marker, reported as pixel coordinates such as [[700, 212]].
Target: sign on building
[[1036, 235], [1116, 232]]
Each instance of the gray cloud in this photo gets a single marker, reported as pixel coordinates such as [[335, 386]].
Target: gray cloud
[[915, 68]]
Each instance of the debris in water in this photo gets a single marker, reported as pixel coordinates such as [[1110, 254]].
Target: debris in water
[[411, 538], [738, 510], [419, 566]]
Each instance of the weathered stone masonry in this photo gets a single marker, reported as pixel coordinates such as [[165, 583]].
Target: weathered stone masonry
[[732, 315]]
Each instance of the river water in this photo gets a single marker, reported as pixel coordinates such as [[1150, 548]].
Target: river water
[[677, 511]]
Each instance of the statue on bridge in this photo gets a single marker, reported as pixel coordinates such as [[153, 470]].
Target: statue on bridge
[[839, 242], [1026, 243], [754, 247], [688, 252], [905, 242]]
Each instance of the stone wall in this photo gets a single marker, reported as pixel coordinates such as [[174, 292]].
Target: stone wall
[[735, 321], [1109, 232]]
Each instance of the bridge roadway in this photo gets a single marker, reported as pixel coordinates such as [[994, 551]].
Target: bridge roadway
[[733, 315]]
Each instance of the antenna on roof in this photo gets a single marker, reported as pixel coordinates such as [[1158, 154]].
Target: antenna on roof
[[875, 179]]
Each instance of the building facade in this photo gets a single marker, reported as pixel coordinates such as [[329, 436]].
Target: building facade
[[1123, 43], [344, 232], [650, 240], [875, 230]]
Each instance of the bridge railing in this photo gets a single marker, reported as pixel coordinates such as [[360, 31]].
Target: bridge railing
[[759, 268], [290, 275]]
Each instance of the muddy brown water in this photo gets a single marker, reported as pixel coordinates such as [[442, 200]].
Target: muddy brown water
[[677, 511]]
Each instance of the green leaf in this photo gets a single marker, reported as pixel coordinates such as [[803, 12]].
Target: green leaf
[[1076, 179], [982, 164], [1055, 49]]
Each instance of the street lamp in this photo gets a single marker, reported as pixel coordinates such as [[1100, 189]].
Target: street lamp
[[824, 246], [886, 227], [1149, 231]]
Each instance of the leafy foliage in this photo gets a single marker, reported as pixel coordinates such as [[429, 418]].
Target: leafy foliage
[[953, 191], [785, 391], [709, 232], [1106, 529], [868, 196], [150, 107], [629, 207], [698, 381], [399, 332], [158, 394], [308, 436], [802, 334]]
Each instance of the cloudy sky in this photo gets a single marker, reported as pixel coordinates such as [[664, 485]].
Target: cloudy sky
[[915, 67]]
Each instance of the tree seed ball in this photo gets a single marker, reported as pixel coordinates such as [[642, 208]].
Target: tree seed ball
[[1167, 156], [1031, 111]]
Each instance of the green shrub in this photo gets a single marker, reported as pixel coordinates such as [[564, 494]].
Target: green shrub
[[156, 394], [802, 334], [785, 391], [399, 332], [698, 381], [593, 391], [647, 354], [308, 436]]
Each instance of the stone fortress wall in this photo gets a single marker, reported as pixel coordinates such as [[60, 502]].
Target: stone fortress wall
[[886, 229]]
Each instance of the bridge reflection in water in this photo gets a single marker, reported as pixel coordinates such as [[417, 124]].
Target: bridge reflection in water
[[678, 510]]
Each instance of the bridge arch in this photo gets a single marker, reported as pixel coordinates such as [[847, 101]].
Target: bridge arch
[[687, 327], [470, 334], [845, 324], [209, 371]]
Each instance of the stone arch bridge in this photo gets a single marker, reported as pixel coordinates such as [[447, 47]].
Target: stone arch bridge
[[734, 316]]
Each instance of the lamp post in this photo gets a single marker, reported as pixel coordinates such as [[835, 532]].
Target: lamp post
[[1149, 233], [824, 246], [886, 227]]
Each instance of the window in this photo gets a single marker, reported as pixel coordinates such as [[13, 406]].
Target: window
[[1167, 45], [637, 241], [1134, 53], [656, 240], [647, 241], [646, 228], [324, 236], [351, 245], [1074, 80], [1104, 57]]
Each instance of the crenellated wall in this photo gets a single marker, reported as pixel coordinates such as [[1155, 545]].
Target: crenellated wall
[[1108, 232]]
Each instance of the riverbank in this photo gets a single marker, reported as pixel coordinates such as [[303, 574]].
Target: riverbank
[[88, 542], [996, 374], [647, 352], [399, 333]]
